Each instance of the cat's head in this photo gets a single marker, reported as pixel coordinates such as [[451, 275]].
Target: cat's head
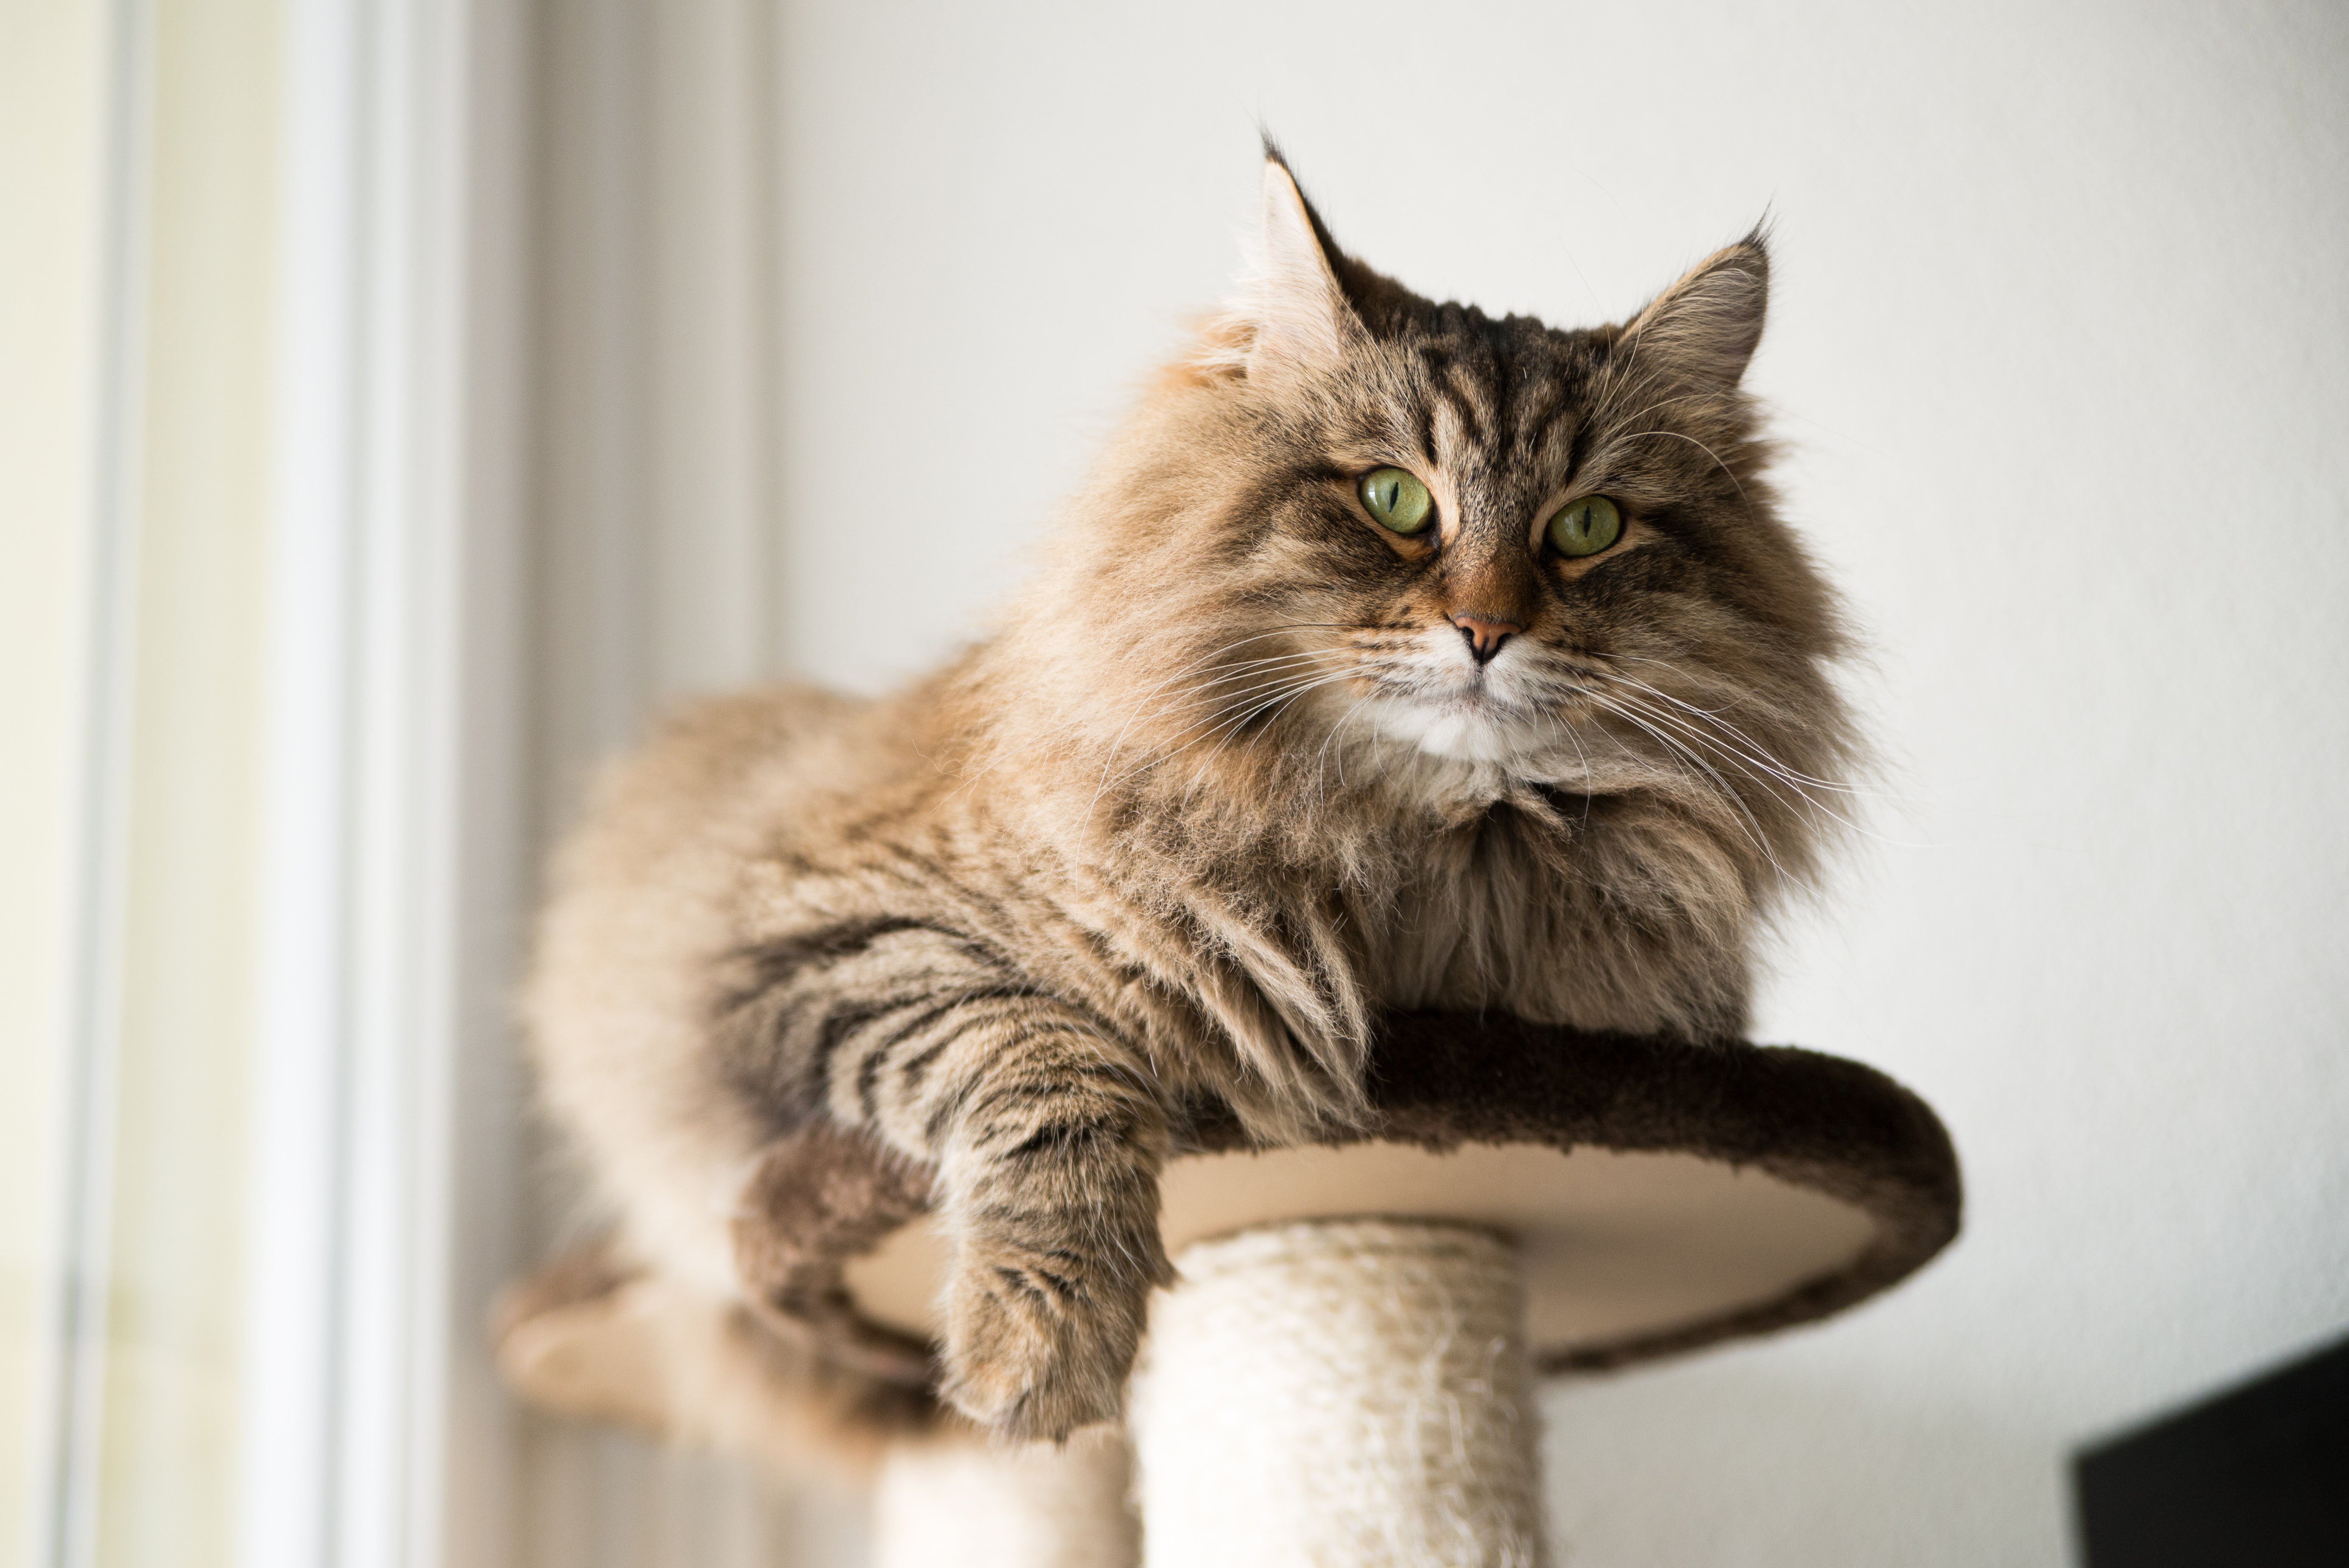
[[1361, 529]]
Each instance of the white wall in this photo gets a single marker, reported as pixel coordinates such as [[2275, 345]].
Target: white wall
[[2058, 346]]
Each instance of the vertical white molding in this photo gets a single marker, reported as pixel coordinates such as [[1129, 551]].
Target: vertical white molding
[[399, 746], [72, 1379], [290, 1400], [393, 832]]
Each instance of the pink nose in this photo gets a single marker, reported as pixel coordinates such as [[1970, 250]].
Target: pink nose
[[1485, 638]]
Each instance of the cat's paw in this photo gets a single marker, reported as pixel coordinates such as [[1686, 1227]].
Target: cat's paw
[[1040, 1339]]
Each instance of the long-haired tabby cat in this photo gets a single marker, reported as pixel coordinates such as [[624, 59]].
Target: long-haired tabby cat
[[1395, 658]]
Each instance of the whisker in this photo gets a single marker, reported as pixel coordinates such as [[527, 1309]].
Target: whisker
[[1700, 446], [1760, 754], [1761, 772], [1117, 743], [1199, 773], [1668, 402], [1748, 750], [1219, 725], [1274, 704], [1564, 725], [1755, 831], [1793, 781], [1714, 716], [1321, 757]]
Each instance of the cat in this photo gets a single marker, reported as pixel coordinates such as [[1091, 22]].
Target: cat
[[1395, 657]]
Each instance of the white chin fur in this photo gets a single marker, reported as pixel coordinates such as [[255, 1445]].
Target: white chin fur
[[1458, 733], [1464, 726]]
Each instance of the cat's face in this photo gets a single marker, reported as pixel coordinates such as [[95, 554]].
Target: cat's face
[[1490, 541], [1361, 538], [1466, 529]]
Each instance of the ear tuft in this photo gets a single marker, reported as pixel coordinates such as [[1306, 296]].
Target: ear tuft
[[1706, 327], [1297, 311]]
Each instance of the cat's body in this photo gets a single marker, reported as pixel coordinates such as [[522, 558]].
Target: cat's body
[[1242, 771]]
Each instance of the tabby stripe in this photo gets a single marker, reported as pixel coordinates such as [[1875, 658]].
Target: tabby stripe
[[980, 1088], [779, 960], [1022, 1284], [844, 1017], [855, 1020], [949, 1106], [1470, 419], [875, 1060], [1009, 1098], [869, 1068], [1058, 1137], [913, 1068], [958, 1094]]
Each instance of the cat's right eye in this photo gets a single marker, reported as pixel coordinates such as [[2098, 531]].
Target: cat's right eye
[[1396, 501]]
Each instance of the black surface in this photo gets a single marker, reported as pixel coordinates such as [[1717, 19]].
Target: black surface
[[2255, 1478]]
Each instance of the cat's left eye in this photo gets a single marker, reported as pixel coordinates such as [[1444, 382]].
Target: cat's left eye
[[1396, 501], [1586, 527]]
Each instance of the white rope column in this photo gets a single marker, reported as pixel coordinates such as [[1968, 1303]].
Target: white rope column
[[1349, 1393], [959, 1501]]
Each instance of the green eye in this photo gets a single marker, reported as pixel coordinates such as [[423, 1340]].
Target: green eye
[[1586, 527], [1397, 501]]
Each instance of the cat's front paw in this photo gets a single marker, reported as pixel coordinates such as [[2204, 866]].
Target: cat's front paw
[[1040, 1338]]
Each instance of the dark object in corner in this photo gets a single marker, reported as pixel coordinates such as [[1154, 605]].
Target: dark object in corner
[[2257, 1475]]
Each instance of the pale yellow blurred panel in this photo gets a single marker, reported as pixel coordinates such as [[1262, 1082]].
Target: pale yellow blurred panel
[[52, 164], [166, 1475]]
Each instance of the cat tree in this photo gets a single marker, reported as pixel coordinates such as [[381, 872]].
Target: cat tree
[[1343, 1375]]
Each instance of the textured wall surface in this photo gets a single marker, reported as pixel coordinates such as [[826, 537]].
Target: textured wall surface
[[2057, 347]]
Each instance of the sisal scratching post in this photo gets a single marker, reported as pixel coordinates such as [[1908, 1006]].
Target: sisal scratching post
[[962, 1502], [1352, 1394]]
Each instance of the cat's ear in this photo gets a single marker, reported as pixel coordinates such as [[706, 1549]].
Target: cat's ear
[[1297, 308], [1703, 330]]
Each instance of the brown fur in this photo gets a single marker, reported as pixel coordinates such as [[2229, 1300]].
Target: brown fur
[[1226, 787]]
